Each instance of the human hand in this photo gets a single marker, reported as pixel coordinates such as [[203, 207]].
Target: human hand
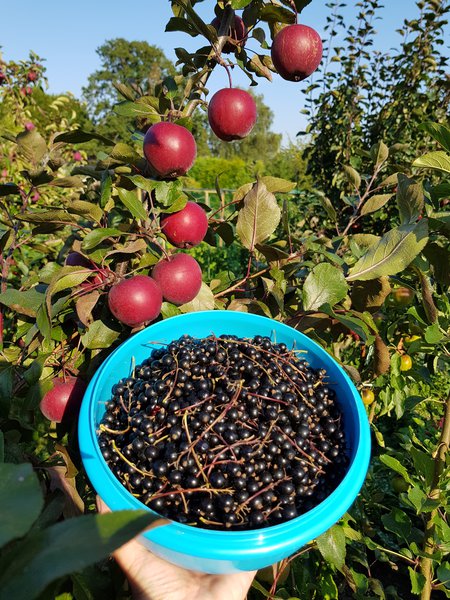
[[152, 578]]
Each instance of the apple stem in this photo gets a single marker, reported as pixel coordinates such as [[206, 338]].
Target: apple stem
[[228, 70]]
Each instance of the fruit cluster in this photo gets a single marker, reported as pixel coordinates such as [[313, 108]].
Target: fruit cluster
[[225, 433]]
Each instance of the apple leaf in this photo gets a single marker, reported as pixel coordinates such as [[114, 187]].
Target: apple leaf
[[325, 284], [133, 204], [352, 176], [379, 153], [28, 567], [331, 545], [204, 300], [96, 236], [259, 217], [434, 160], [99, 336], [24, 302], [439, 132], [374, 203], [393, 253], [21, 500], [31, 146], [409, 199], [78, 136]]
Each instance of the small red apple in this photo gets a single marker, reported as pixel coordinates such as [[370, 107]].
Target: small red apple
[[187, 227], [170, 149], [232, 114], [179, 277], [32, 76], [2, 78], [62, 402], [296, 52], [237, 33], [136, 300], [77, 157]]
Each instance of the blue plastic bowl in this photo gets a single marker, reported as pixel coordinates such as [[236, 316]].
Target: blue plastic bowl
[[224, 551]]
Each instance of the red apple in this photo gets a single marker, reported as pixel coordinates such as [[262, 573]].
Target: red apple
[[237, 32], [179, 277], [2, 78], [232, 114], [187, 227], [136, 300], [32, 76], [170, 149], [296, 52], [62, 402]]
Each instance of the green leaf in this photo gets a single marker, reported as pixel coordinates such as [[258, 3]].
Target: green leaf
[[434, 160], [99, 335], [72, 181], [143, 183], [433, 334], [105, 193], [439, 132], [137, 109], [423, 464], [396, 466], [200, 26], [96, 236], [374, 203], [86, 209], [417, 581], [379, 153], [124, 153], [331, 545], [353, 176], [71, 545], [259, 217], [26, 302], [393, 253], [443, 572], [398, 522], [327, 206], [204, 300], [31, 146], [324, 285], [66, 279], [21, 500], [238, 4], [78, 136], [276, 13], [47, 216], [133, 204], [278, 185], [409, 199]]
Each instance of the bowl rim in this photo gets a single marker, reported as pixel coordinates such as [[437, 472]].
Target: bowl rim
[[172, 535]]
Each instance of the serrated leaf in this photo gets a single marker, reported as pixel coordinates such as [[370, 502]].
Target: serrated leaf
[[434, 160], [417, 581], [133, 204], [439, 132], [78, 136], [324, 285], [398, 522], [143, 183], [96, 236], [38, 559], [277, 185], [99, 335], [259, 217], [392, 253], [256, 65], [379, 153], [65, 279], [85, 209], [72, 181], [137, 109], [410, 199], [374, 203], [21, 500], [31, 146], [331, 545], [204, 300], [47, 216], [352, 176], [24, 302]]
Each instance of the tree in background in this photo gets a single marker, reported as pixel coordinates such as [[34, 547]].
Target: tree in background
[[373, 96], [138, 64]]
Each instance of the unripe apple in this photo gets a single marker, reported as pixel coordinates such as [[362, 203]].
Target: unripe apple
[[232, 114], [169, 149], [367, 396], [187, 227], [136, 300], [237, 32], [405, 362], [296, 52], [403, 296], [179, 277], [62, 402]]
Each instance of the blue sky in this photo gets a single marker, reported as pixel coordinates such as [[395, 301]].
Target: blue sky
[[67, 34]]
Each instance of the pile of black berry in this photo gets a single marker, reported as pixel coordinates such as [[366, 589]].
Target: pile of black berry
[[225, 433]]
